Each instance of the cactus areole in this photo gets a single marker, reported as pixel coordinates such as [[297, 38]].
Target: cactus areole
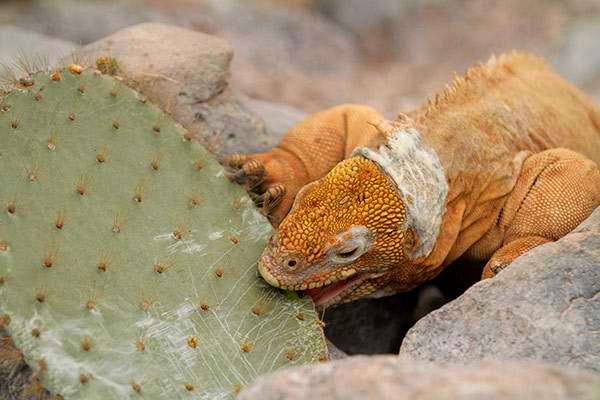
[[127, 259]]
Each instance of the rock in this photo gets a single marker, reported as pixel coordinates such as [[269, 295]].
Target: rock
[[388, 377], [577, 57], [371, 326], [278, 118], [83, 21], [18, 43], [187, 74], [545, 306]]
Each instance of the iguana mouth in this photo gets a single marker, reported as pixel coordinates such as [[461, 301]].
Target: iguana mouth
[[332, 293]]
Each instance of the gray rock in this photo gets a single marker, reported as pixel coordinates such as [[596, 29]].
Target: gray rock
[[387, 377], [18, 43], [546, 306], [187, 74], [578, 58]]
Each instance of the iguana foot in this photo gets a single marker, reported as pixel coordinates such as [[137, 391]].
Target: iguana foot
[[556, 191], [272, 179], [506, 254]]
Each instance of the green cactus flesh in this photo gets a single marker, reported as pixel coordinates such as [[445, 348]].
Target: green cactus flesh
[[127, 259]]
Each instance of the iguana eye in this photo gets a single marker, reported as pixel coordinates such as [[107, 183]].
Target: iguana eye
[[291, 264], [347, 253]]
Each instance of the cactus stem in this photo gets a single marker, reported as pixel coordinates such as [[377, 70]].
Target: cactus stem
[[198, 165], [41, 296], [246, 347], [290, 354], [32, 173], [179, 232], [136, 387], [11, 207], [81, 187], [52, 140], [155, 163], [42, 365], [193, 342], [75, 69], [138, 195], [59, 222], [15, 122], [4, 320], [117, 223], [86, 344], [84, 378], [103, 263], [161, 267], [194, 200], [102, 154], [49, 258]]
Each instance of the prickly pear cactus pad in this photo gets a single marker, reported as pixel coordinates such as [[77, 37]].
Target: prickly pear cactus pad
[[127, 259]]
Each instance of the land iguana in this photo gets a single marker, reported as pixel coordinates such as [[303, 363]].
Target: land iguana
[[503, 160]]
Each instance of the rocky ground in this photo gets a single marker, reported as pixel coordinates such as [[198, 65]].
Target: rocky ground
[[242, 72]]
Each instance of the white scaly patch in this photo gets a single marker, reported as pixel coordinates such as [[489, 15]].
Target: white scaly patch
[[419, 177]]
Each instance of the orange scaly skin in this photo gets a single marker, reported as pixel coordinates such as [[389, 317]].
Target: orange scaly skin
[[517, 149]]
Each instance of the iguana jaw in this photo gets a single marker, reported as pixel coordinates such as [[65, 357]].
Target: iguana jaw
[[333, 289]]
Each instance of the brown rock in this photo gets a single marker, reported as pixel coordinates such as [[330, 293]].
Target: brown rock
[[388, 377]]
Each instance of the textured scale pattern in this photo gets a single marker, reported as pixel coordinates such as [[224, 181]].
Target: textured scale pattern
[[127, 260]]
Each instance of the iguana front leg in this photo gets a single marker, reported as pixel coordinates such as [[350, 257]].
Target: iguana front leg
[[308, 152], [556, 191]]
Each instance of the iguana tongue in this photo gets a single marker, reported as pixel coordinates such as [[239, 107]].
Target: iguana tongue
[[325, 293]]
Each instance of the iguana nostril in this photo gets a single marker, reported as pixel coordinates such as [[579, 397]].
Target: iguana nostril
[[292, 264]]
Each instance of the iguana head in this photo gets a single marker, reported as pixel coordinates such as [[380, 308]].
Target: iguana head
[[344, 238]]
